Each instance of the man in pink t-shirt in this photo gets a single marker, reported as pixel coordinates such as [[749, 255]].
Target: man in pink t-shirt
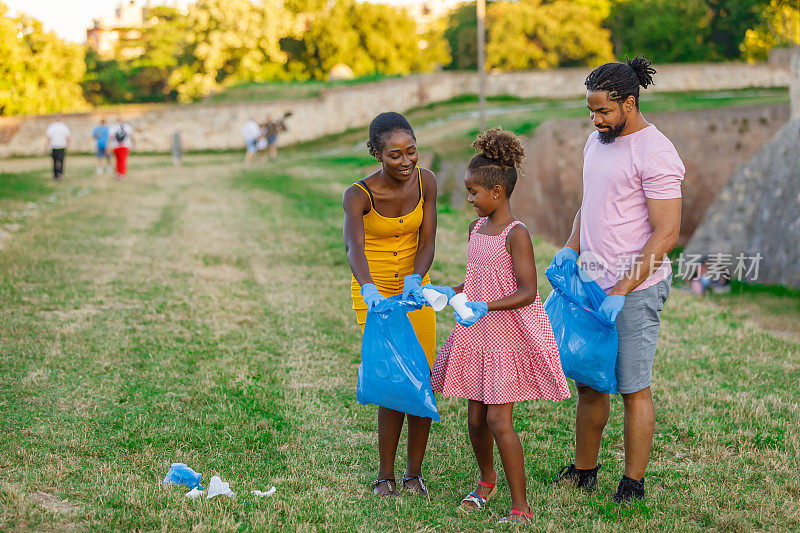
[[628, 222]]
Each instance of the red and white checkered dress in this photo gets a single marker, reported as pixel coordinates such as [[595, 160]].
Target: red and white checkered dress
[[506, 356]]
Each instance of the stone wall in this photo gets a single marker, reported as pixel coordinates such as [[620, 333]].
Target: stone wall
[[711, 143], [758, 212], [218, 126]]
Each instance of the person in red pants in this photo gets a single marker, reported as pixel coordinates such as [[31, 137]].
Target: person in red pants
[[120, 141]]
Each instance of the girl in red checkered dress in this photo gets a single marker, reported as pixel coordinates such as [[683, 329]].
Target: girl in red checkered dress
[[505, 352]]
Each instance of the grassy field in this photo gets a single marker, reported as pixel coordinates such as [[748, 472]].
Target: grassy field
[[202, 315], [257, 92]]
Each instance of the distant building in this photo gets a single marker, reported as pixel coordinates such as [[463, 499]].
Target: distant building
[[127, 22], [427, 12], [105, 34]]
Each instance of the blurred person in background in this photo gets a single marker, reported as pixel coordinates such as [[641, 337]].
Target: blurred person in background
[[251, 131], [57, 141], [177, 149], [120, 142], [100, 136]]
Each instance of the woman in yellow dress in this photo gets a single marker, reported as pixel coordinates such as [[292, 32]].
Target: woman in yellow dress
[[389, 235]]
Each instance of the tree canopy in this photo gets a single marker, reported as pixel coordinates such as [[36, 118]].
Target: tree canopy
[[526, 34], [186, 56], [779, 27], [684, 30], [39, 73]]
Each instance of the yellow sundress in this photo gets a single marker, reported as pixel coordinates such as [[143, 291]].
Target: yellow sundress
[[390, 244]]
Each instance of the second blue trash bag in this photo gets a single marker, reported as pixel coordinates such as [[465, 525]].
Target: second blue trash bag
[[394, 371], [587, 342]]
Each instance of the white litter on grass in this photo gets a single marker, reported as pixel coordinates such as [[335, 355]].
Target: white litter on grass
[[260, 494], [194, 494], [217, 487]]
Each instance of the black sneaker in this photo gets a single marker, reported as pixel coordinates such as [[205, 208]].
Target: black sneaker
[[629, 490], [583, 479]]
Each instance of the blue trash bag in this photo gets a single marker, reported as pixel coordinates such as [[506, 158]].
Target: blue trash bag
[[587, 342], [394, 371], [180, 474]]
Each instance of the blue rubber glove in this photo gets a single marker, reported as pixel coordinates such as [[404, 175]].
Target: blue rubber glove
[[565, 253], [411, 283], [447, 291], [611, 307], [479, 310], [371, 295]]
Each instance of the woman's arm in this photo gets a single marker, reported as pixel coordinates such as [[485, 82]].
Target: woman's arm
[[355, 203], [524, 270], [426, 246]]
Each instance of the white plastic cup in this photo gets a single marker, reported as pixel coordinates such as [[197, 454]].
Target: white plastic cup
[[459, 303], [435, 299]]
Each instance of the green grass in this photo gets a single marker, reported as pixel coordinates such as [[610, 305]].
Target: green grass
[[23, 186], [202, 315], [297, 90]]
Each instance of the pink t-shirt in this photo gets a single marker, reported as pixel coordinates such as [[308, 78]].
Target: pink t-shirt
[[618, 178]]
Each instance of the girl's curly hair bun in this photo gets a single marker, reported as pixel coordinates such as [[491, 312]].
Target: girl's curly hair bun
[[500, 146]]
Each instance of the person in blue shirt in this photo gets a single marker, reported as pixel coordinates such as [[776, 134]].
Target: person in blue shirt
[[100, 135]]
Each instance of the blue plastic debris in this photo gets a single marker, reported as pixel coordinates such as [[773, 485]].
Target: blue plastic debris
[[180, 474]]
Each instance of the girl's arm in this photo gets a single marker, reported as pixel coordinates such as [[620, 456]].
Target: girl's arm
[[426, 245], [356, 203], [519, 240], [460, 288]]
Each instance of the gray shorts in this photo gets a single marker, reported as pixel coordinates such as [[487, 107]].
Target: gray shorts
[[637, 327]]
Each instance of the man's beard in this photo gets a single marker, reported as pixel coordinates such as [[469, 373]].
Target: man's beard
[[608, 136]]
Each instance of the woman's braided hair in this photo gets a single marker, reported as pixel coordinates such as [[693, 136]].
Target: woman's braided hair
[[622, 80], [384, 125], [501, 154]]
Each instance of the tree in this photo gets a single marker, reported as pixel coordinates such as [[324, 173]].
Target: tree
[[39, 73], [546, 33], [663, 30], [231, 41], [730, 20], [683, 30], [462, 36], [144, 78], [370, 39], [780, 27]]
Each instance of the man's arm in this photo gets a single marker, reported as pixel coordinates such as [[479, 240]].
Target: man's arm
[[574, 240], [665, 221]]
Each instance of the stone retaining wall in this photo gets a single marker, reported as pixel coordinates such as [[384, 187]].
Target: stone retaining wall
[[218, 126]]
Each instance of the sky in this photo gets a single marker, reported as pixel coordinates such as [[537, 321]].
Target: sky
[[67, 18], [70, 18]]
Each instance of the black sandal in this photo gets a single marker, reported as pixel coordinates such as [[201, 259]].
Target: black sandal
[[422, 490], [390, 482]]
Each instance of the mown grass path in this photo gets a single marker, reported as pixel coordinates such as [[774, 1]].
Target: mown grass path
[[202, 315]]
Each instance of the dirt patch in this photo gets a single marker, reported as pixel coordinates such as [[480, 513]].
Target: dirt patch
[[54, 505], [33, 377]]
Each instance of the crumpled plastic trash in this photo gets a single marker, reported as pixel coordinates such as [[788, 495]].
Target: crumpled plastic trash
[[217, 487], [194, 493], [260, 494], [180, 474]]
